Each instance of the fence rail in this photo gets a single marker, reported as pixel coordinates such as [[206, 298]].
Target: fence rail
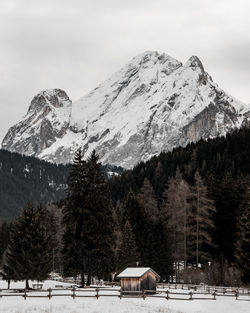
[[209, 289], [108, 292]]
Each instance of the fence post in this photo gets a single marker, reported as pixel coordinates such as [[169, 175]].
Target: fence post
[[120, 293], [74, 293], [167, 292], [143, 294], [25, 294], [214, 294], [191, 295], [97, 293], [49, 293], [236, 294]]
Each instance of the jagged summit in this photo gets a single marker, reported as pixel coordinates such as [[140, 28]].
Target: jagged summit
[[50, 97], [194, 62], [152, 104], [46, 120]]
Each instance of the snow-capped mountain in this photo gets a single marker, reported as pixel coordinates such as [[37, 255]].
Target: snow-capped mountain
[[153, 104]]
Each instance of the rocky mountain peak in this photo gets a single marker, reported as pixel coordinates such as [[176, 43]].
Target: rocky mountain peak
[[56, 98], [47, 120], [150, 59], [194, 62], [152, 104]]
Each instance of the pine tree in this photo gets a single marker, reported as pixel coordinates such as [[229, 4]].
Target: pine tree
[[99, 224], [128, 254], [88, 219], [135, 214], [74, 216], [228, 195], [243, 242], [29, 251], [4, 238]]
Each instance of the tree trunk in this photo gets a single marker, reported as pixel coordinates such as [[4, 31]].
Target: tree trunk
[[27, 284], [8, 284], [89, 279], [222, 269], [82, 280]]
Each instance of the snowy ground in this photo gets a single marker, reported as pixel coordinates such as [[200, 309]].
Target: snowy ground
[[115, 305]]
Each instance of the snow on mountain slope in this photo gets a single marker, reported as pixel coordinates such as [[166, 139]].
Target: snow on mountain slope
[[153, 104]]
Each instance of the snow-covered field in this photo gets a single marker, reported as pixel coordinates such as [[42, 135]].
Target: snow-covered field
[[115, 305]]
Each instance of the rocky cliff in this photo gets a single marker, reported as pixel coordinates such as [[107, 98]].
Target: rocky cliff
[[153, 104]]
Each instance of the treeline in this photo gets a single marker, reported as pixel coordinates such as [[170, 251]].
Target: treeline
[[216, 157], [25, 179]]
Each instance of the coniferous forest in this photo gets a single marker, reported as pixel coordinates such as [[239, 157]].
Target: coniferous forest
[[24, 178], [185, 213]]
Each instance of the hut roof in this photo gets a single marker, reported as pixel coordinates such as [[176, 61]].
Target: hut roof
[[135, 272]]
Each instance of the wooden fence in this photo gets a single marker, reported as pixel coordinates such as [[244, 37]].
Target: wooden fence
[[112, 292], [205, 288]]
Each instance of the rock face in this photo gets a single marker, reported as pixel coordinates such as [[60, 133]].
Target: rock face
[[153, 104], [46, 121]]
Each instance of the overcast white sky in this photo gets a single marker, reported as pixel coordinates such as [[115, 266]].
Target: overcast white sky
[[76, 44]]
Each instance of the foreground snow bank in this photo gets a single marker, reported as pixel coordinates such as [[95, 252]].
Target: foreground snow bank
[[115, 305]]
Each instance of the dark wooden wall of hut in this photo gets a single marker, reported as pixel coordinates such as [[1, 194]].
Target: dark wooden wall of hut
[[148, 282]]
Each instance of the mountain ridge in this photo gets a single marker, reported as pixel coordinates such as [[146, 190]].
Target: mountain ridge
[[152, 104]]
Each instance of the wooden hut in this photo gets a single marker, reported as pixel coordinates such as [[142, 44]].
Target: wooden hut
[[138, 279]]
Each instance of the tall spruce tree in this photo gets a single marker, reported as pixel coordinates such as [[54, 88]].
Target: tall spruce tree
[[88, 219], [228, 195], [135, 214], [243, 242], [4, 238], [74, 216], [29, 253], [99, 224]]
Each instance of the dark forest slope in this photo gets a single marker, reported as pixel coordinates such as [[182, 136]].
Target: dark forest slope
[[25, 179], [217, 157]]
